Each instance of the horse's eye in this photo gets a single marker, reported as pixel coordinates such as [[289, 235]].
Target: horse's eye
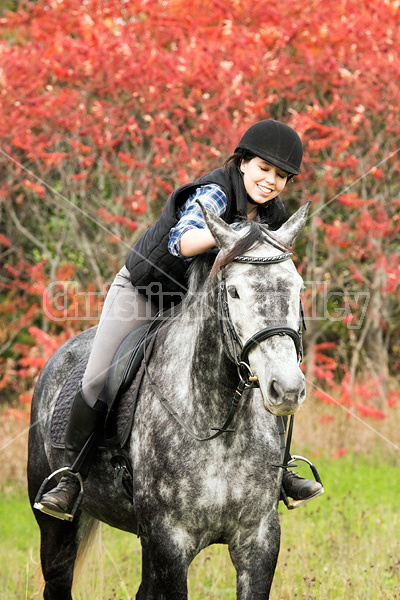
[[232, 291]]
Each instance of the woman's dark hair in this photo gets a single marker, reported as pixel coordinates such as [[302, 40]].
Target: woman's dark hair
[[273, 213], [235, 159]]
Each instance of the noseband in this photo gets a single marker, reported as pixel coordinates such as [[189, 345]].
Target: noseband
[[239, 352]]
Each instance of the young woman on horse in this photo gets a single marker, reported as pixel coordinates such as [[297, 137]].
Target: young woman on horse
[[153, 278]]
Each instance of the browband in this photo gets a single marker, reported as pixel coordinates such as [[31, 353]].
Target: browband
[[263, 260]]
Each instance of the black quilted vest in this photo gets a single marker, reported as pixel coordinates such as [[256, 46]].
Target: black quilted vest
[[162, 276]]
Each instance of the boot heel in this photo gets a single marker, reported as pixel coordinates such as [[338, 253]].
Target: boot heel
[[59, 515], [291, 504]]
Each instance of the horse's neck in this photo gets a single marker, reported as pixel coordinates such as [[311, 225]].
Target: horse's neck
[[201, 380], [196, 340]]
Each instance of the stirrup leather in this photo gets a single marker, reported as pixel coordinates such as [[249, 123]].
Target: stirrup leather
[[48, 511], [291, 504]]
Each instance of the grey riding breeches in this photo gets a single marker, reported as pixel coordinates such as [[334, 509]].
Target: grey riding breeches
[[124, 310]]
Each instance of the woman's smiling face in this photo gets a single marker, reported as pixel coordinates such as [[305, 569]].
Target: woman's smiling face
[[262, 181]]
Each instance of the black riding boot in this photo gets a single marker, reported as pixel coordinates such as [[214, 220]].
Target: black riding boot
[[82, 436], [299, 489]]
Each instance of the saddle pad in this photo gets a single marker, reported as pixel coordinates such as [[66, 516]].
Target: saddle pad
[[120, 419]]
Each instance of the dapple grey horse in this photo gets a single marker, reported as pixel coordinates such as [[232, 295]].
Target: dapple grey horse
[[189, 494]]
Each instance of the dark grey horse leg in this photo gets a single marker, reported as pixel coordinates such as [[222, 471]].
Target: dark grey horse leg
[[58, 548], [255, 561], [164, 571]]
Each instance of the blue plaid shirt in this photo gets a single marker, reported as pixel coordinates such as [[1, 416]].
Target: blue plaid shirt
[[190, 216]]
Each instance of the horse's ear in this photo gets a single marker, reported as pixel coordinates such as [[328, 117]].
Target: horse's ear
[[289, 231], [222, 233]]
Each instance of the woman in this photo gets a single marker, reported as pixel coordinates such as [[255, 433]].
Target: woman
[[248, 186]]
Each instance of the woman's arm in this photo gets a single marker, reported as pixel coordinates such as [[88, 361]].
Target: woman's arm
[[190, 236], [196, 241]]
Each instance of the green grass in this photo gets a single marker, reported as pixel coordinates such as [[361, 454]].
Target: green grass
[[344, 545]]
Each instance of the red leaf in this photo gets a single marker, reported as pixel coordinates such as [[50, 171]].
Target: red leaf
[[4, 240], [369, 411], [35, 187], [326, 419], [341, 452], [25, 398]]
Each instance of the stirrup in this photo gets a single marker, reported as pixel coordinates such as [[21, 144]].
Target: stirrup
[[48, 511], [291, 504]]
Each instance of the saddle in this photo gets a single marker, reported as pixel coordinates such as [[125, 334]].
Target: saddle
[[120, 391]]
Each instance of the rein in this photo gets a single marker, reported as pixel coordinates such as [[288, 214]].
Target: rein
[[239, 352], [241, 387]]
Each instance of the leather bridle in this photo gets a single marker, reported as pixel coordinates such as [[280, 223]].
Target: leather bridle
[[238, 352]]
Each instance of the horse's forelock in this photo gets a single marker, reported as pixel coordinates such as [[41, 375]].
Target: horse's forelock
[[251, 237], [207, 265]]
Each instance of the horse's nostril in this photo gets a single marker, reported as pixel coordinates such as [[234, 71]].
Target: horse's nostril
[[302, 395], [274, 392]]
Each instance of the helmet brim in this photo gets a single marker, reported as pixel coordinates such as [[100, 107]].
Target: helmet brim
[[285, 166]]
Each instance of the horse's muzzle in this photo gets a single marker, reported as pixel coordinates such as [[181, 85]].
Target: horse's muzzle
[[281, 399]]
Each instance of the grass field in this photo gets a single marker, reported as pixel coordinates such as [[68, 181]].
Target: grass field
[[345, 545]]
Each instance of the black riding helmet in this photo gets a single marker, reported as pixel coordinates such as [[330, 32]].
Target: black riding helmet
[[275, 142]]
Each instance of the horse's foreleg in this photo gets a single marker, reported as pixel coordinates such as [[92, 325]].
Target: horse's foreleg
[[164, 570], [254, 557]]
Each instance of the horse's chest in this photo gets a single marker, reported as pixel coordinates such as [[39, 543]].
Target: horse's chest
[[203, 484]]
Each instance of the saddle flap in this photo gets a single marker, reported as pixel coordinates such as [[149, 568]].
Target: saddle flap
[[124, 365]]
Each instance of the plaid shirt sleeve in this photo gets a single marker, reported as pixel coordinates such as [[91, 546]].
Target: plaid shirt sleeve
[[191, 217]]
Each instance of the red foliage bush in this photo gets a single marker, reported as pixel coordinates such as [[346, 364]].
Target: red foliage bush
[[115, 103]]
